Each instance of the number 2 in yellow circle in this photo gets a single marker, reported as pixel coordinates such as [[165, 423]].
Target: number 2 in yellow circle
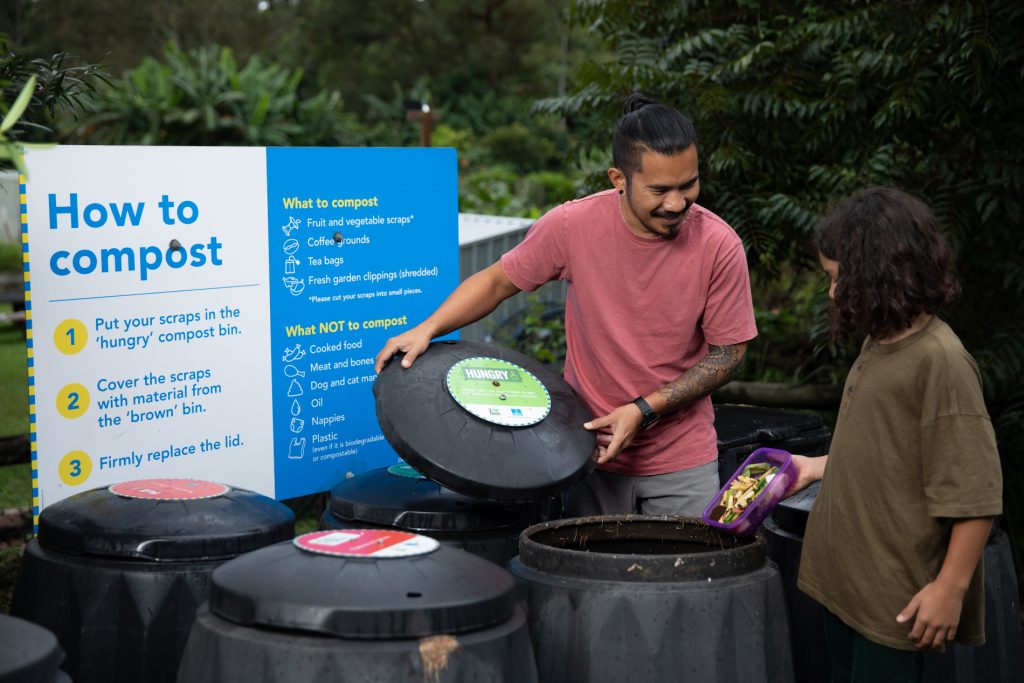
[[70, 336], [75, 468], [73, 401]]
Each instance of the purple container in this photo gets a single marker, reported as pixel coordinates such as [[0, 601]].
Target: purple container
[[763, 502]]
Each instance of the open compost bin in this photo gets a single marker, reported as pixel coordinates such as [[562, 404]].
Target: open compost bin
[[117, 573], [637, 599]]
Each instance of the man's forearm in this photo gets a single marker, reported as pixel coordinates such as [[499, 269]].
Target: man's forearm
[[476, 297], [710, 372]]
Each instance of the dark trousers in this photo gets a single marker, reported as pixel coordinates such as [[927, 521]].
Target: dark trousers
[[855, 659]]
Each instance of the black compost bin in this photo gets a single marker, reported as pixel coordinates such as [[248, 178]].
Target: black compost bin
[[743, 429], [360, 605], [635, 599], [29, 653], [399, 497], [996, 660], [118, 576]]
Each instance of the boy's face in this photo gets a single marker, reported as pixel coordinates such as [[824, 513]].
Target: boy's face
[[832, 268], [660, 193]]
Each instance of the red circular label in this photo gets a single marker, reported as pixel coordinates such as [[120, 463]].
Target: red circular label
[[376, 543], [169, 489]]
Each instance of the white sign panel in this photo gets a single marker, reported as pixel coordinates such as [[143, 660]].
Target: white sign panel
[[212, 313]]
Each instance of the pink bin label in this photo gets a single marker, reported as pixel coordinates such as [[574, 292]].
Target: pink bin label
[[169, 489], [375, 543]]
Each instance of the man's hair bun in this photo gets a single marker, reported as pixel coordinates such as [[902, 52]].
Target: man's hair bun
[[635, 101]]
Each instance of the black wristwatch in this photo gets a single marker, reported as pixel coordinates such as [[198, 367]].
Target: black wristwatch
[[650, 417]]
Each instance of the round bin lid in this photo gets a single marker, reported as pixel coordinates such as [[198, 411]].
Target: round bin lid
[[30, 653], [791, 514], [164, 520], [381, 584], [432, 412], [399, 496]]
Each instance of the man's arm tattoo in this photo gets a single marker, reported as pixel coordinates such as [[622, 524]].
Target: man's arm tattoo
[[711, 372]]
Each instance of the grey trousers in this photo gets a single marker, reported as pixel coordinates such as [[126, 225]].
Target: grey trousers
[[686, 492]]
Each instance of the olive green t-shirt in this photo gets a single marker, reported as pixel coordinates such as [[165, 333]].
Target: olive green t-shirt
[[913, 450]]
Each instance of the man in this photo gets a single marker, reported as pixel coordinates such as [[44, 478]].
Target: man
[[658, 314]]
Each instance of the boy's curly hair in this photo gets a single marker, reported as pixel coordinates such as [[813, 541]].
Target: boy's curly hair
[[894, 263]]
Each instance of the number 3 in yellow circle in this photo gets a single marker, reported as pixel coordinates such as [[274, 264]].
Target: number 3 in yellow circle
[[75, 468], [73, 401], [70, 336]]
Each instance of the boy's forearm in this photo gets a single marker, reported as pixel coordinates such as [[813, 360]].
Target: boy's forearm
[[966, 544]]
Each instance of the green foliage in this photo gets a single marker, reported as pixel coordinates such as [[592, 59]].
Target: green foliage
[[9, 149], [57, 89], [536, 330], [10, 257], [798, 104], [793, 344], [521, 148], [13, 382], [202, 97], [501, 191]]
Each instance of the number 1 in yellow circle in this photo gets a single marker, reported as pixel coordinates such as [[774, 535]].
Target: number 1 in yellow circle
[[70, 336]]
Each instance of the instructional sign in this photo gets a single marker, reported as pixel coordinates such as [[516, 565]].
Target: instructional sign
[[214, 313]]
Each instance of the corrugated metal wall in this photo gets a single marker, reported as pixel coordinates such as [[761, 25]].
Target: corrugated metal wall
[[482, 241]]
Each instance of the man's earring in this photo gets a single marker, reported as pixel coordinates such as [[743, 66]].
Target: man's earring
[[622, 191]]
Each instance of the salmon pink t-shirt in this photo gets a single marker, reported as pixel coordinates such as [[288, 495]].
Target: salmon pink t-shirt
[[639, 313]]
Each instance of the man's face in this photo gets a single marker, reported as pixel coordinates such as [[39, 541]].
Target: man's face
[[660, 193]]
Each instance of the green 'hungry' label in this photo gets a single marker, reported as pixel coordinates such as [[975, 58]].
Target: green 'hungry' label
[[492, 374], [498, 391]]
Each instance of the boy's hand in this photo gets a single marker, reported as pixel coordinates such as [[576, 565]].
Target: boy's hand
[[937, 609], [808, 470]]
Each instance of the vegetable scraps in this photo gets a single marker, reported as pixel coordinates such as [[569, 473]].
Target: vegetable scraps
[[743, 489]]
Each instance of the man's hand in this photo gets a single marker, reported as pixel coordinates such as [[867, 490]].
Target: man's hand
[[615, 431], [937, 609], [411, 342]]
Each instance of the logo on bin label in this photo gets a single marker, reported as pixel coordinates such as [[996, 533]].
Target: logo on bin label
[[169, 489], [499, 392], [404, 470], [375, 543]]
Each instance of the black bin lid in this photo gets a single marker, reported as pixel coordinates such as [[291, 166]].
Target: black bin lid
[[29, 653], [747, 425], [791, 514], [477, 457], [164, 520], [428, 589], [399, 496]]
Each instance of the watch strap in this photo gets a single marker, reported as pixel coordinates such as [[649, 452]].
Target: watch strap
[[649, 414]]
